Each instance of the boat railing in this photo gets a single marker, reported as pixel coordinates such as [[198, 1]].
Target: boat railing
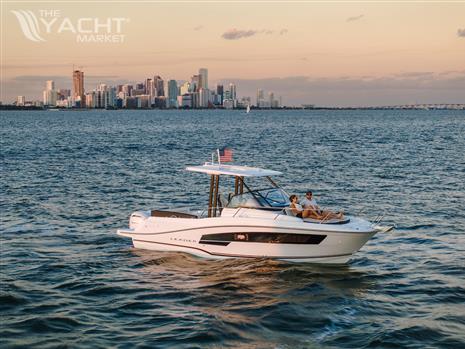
[[280, 212], [202, 212], [378, 219]]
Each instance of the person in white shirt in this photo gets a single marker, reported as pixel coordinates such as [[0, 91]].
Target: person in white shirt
[[309, 203], [297, 210]]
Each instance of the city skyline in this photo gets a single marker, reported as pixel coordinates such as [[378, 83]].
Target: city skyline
[[343, 54], [153, 92]]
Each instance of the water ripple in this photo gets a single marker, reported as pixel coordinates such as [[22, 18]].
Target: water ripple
[[70, 179]]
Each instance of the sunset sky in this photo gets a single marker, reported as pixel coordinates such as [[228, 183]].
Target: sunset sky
[[341, 54]]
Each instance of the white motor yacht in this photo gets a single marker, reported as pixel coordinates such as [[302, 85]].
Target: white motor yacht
[[248, 223]]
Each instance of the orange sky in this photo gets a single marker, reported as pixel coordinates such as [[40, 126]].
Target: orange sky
[[329, 41]]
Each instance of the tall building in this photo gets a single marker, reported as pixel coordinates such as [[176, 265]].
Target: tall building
[[260, 97], [195, 99], [195, 83], [203, 78], [172, 94], [50, 85], [91, 99], [159, 85], [21, 101], [78, 87], [185, 88], [232, 91], [204, 97], [50, 94], [220, 93], [271, 98], [274, 103], [150, 88], [127, 90]]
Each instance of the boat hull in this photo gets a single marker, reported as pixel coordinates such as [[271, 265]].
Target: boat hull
[[228, 237], [153, 246]]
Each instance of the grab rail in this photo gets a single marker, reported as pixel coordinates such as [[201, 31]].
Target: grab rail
[[378, 219], [202, 212]]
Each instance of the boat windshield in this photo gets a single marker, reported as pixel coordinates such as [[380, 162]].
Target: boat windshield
[[270, 197]]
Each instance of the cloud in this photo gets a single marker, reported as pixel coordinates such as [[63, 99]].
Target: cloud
[[415, 75], [354, 18], [234, 34], [199, 27], [461, 33]]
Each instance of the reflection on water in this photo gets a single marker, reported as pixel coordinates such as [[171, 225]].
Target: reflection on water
[[257, 295], [255, 276]]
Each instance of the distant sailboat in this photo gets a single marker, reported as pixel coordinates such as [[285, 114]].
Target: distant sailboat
[[248, 109]]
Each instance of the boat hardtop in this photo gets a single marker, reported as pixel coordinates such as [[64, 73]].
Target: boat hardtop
[[232, 170]]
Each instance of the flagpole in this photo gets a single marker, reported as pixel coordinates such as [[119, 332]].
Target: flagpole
[[219, 161]]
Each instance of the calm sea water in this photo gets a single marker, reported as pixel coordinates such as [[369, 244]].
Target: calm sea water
[[70, 179]]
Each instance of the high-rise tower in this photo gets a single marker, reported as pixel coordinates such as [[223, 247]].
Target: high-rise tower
[[203, 78], [78, 87]]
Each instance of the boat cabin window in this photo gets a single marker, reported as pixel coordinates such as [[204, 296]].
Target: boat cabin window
[[243, 200], [271, 197]]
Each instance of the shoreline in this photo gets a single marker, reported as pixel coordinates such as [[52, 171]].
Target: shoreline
[[32, 108]]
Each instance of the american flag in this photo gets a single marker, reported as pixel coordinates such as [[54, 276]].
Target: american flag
[[225, 154]]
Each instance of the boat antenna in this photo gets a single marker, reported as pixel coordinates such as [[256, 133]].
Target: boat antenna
[[219, 159]]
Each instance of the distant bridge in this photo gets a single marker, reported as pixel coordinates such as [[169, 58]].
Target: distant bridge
[[426, 106]]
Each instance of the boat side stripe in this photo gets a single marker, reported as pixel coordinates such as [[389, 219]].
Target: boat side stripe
[[243, 255], [259, 226]]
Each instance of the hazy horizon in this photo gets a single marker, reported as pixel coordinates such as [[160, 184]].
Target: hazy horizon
[[338, 54]]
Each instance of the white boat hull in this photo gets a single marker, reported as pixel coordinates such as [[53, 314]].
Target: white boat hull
[[251, 234]]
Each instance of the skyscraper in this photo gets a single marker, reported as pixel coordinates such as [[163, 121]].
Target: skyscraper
[[50, 94], [271, 98], [260, 97], [203, 78], [159, 85], [232, 91], [195, 83], [185, 88], [150, 90], [172, 94], [50, 85], [204, 97], [20, 101], [127, 90], [78, 87], [220, 93]]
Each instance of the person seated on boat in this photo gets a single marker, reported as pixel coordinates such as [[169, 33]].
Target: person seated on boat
[[297, 209], [310, 203]]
